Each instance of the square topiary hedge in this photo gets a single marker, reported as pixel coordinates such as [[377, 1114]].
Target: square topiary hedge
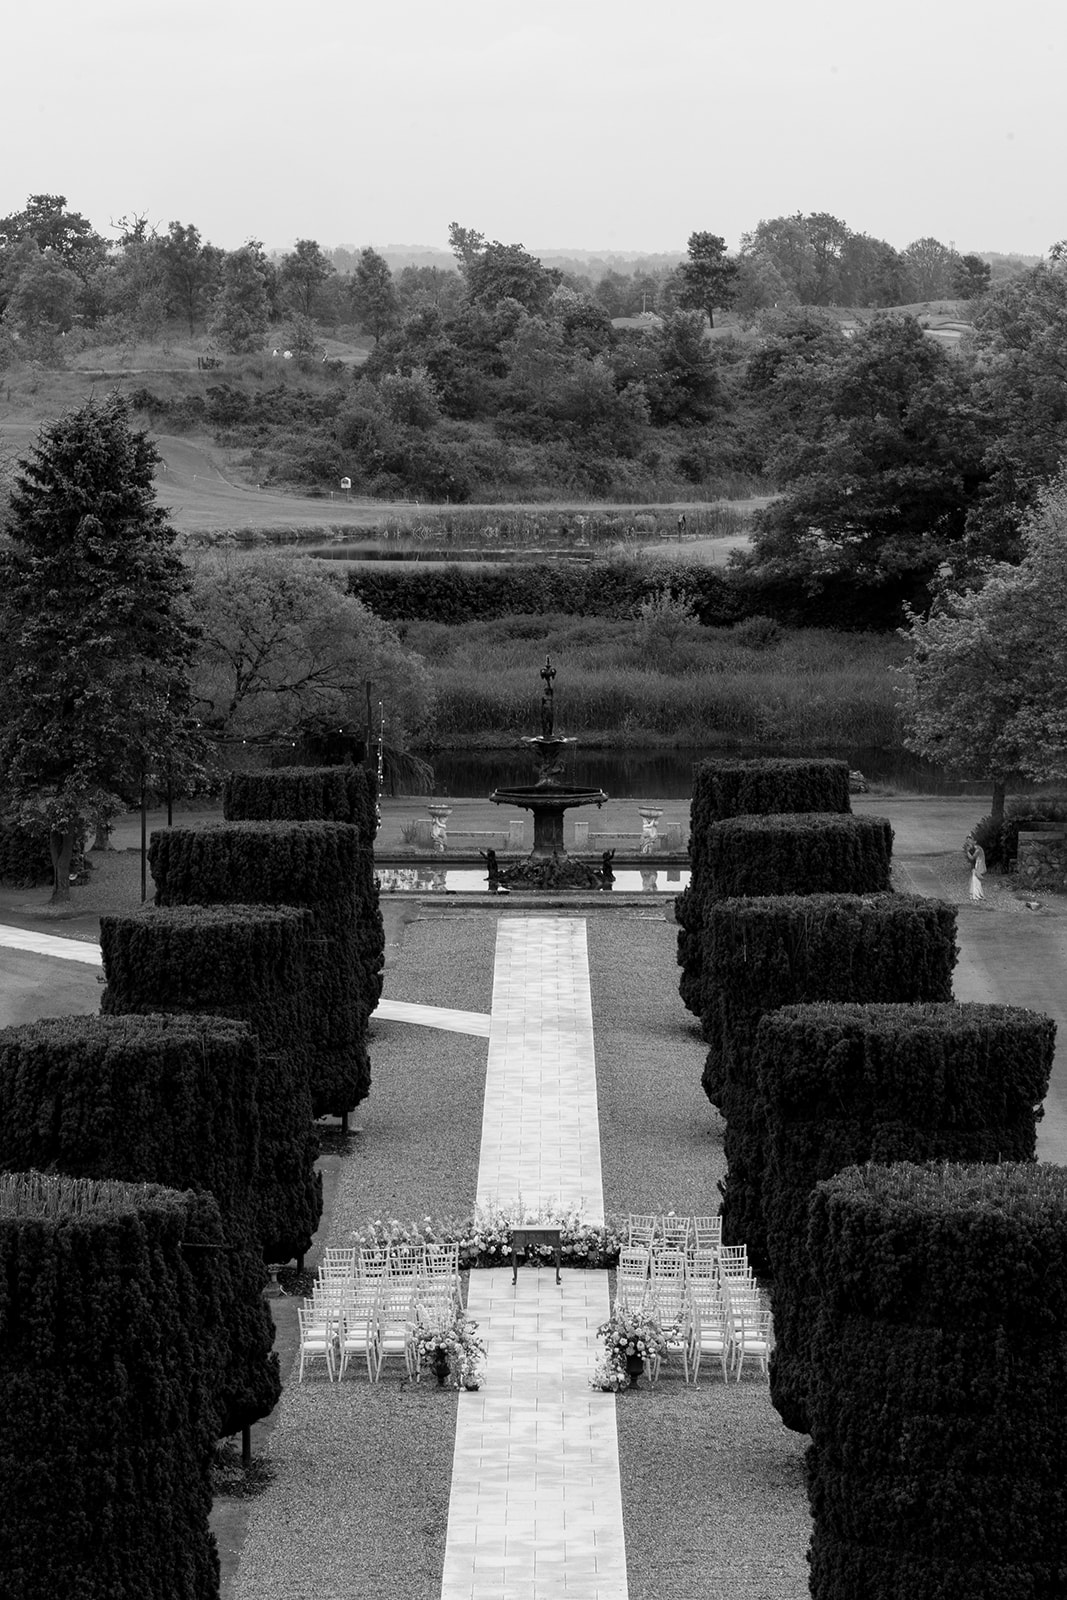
[[761, 953], [839, 1085]]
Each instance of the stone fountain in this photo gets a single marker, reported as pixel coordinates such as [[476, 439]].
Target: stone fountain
[[548, 866]]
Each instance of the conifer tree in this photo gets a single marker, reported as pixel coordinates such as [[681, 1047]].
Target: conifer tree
[[95, 635]]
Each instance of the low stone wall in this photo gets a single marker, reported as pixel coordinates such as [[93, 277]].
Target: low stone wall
[[1042, 861]]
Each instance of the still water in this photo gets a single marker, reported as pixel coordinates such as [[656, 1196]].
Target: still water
[[457, 880], [664, 774]]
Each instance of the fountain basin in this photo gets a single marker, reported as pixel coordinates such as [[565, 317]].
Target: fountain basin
[[548, 802]]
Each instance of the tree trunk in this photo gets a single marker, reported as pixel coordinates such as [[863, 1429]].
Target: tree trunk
[[102, 836], [999, 792], [61, 845]]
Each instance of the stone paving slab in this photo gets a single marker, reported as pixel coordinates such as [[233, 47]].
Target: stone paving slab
[[536, 1508]]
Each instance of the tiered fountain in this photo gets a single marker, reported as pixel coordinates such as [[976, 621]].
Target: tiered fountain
[[548, 866]]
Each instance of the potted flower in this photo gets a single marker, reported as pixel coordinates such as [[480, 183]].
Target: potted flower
[[451, 1349], [630, 1339]]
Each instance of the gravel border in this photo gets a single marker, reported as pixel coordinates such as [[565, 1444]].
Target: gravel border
[[359, 1504]]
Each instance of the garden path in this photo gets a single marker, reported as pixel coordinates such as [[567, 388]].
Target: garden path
[[536, 1505]]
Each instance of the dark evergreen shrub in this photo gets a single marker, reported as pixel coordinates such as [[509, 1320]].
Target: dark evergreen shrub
[[316, 865], [938, 1462], [464, 592], [169, 1100], [722, 788], [803, 853], [761, 953], [106, 1391], [324, 794], [247, 962], [843, 1084]]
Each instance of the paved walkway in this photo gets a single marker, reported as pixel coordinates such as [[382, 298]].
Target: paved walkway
[[536, 1505]]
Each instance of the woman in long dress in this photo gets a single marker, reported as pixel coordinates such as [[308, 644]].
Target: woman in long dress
[[976, 856]]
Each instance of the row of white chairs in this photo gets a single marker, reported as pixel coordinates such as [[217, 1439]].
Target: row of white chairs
[[649, 1261], [373, 1321], [730, 1326], [673, 1231], [396, 1261]]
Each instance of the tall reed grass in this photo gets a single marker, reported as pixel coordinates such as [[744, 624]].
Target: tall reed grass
[[619, 680]]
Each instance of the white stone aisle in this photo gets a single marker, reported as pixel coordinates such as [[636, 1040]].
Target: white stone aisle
[[536, 1507]]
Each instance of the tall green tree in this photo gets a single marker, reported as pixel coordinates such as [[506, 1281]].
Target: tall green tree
[[708, 274], [879, 480], [284, 646], [302, 273], [983, 689], [191, 269], [241, 309], [95, 636], [374, 296]]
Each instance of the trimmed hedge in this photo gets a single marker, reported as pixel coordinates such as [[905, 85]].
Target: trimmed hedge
[[250, 963], [169, 1100], [304, 794], [324, 794], [815, 852], [761, 953], [843, 1084], [106, 1392], [938, 1463], [315, 865], [463, 592], [723, 788]]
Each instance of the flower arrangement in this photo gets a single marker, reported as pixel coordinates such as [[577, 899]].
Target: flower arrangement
[[627, 1335], [452, 1343], [484, 1238]]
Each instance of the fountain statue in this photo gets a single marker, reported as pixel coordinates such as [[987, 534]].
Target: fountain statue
[[548, 865]]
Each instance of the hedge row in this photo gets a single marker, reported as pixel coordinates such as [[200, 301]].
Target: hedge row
[[168, 1100], [762, 953], [462, 592], [249, 963], [106, 1393], [938, 1464], [314, 865], [325, 794], [726, 788], [839, 1085]]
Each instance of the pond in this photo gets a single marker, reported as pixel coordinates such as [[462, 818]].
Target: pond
[[667, 774], [425, 879]]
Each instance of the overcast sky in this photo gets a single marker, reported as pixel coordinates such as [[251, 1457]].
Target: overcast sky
[[584, 124]]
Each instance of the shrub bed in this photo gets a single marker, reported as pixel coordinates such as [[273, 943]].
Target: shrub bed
[[939, 1364], [324, 794], [315, 865], [761, 953], [106, 1391], [723, 788], [168, 1100], [839, 1085], [249, 963]]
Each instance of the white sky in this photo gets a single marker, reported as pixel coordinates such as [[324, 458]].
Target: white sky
[[584, 124]]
